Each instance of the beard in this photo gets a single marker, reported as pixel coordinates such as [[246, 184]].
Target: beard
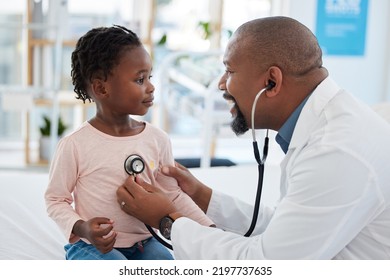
[[239, 125]]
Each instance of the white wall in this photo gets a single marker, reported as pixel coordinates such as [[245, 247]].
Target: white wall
[[368, 76]]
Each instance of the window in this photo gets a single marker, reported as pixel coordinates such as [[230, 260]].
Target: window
[[12, 52]]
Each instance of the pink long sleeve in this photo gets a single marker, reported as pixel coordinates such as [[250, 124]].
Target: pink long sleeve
[[87, 169]]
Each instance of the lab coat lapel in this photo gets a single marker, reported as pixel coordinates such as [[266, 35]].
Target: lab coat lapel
[[307, 121], [312, 111]]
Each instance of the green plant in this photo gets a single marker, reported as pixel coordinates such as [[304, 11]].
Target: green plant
[[46, 127], [163, 40], [205, 27]]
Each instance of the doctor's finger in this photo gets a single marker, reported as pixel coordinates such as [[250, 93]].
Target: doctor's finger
[[148, 187], [178, 171], [133, 187], [180, 166], [123, 196]]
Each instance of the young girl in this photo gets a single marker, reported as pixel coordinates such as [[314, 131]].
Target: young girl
[[110, 67]]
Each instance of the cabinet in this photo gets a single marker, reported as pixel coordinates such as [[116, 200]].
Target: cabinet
[[45, 47]]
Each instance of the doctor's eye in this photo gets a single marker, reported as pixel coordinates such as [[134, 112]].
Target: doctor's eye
[[228, 72]]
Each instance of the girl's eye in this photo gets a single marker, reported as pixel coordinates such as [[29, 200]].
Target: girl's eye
[[228, 72], [140, 81]]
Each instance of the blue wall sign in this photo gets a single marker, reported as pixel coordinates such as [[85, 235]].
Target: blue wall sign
[[341, 26]]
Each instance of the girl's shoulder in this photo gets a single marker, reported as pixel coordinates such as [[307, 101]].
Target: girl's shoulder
[[154, 130]]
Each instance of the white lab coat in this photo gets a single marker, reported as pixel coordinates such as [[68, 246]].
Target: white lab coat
[[335, 193]]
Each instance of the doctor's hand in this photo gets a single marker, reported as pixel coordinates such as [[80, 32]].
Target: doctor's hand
[[144, 201], [199, 192]]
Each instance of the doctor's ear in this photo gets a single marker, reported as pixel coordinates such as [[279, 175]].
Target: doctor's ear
[[274, 81]]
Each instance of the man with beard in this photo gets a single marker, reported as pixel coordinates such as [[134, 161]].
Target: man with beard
[[335, 190]]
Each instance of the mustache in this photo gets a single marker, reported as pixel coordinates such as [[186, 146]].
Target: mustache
[[228, 97]]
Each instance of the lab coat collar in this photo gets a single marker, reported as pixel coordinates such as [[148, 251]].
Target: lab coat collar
[[316, 103], [283, 138]]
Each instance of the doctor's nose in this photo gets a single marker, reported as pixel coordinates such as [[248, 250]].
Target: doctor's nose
[[222, 83]]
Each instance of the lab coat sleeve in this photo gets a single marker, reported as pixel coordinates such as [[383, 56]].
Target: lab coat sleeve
[[232, 218], [191, 240], [327, 203], [223, 209]]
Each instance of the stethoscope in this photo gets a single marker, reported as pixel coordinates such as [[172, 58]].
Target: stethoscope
[[260, 160], [134, 165]]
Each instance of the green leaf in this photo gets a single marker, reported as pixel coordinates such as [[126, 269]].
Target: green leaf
[[46, 127]]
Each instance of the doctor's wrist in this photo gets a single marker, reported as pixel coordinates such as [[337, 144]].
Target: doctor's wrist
[[175, 215], [202, 197], [166, 223]]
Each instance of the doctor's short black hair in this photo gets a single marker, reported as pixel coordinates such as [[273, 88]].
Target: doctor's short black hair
[[97, 53]]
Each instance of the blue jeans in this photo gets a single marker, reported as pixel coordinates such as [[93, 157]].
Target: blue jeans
[[152, 250]]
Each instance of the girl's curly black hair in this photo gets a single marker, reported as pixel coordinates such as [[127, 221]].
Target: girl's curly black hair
[[97, 53]]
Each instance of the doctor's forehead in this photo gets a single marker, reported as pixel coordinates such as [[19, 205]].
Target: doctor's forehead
[[234, 53]]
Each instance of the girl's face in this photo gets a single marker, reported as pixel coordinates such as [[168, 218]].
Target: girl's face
[[129, 88]]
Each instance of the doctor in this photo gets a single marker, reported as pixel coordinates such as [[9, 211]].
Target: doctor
[[335, 181]]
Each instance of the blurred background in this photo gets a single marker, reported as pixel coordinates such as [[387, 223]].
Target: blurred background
[[186, 40]]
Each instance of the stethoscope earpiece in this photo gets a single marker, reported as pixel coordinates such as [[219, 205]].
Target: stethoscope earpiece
[[271, 84]]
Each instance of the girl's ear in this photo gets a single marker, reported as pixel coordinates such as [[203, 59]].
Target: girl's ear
[[274, 81], [98, 88]]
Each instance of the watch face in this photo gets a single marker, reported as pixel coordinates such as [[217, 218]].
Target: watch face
[[166, 226]]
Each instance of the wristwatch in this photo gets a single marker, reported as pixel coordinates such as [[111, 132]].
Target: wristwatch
[[166, 227]]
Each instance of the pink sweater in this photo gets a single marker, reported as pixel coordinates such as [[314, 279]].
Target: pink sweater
[[87, 169]]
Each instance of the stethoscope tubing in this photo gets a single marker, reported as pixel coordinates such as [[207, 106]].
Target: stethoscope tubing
[[260, 167]]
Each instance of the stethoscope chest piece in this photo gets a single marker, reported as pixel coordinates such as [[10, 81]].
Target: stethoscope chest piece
[[134, 164]]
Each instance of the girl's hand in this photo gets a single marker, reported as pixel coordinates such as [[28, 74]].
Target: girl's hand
[[98, 231]]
